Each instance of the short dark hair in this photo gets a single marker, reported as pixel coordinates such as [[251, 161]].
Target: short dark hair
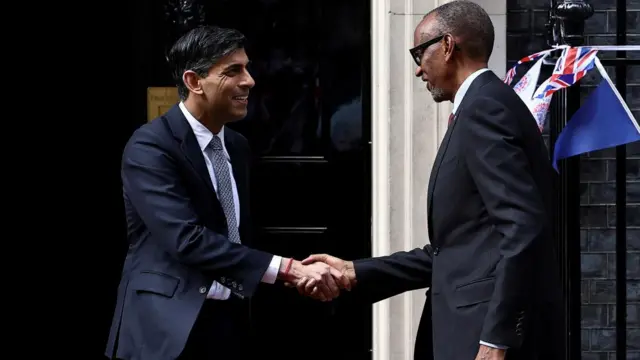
[[199, 49], [469, 22]]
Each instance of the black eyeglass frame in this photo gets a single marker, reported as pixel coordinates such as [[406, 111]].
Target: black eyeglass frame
[[416, 52]]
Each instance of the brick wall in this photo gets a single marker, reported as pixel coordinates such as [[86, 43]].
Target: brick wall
[[525, 35]]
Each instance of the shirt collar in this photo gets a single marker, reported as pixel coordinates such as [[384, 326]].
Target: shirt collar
[[462, 91], [203, 135]]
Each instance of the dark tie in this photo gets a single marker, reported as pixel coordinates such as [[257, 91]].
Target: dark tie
[[225, 190], [451, 118]]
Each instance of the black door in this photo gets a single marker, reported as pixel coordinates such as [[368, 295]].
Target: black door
[[308, 125]]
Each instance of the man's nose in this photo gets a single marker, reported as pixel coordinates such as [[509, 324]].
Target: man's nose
[[248, 81], [418, 71]]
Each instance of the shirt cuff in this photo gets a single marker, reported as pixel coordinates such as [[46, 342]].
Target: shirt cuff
[[493, 345], [271, 274]]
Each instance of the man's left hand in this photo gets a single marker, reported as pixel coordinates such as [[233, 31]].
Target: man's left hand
[[489, 353]]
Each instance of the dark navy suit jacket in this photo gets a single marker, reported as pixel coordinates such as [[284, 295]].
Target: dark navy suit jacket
[[177, 236]]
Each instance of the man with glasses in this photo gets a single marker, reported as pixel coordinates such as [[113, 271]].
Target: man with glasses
[[491, 265]]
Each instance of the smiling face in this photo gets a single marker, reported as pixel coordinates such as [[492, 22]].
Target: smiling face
[[435, 59], [225, 89]]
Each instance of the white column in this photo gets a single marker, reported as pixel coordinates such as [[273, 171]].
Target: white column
[[380, 165], [407, 129]]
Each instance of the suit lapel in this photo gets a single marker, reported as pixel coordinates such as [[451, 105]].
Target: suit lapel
[[191, 149], [475, 86], [189, 144], [237, 165], [434, 172]]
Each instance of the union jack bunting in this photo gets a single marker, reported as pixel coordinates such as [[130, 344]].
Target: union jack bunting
[[512, 72], [573, 65]]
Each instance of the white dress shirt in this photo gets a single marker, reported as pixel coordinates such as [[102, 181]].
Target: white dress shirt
[[462, 91], [464, 87], [204, 136]]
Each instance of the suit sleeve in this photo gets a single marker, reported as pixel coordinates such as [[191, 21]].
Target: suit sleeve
[[497, 162], [152, 182], [386, 276]]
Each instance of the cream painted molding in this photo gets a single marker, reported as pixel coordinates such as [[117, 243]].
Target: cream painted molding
[[407, 184], [380, 118]]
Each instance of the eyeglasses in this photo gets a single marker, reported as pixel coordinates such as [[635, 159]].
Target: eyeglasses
[[416, 52]]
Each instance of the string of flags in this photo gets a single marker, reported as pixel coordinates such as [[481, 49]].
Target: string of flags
[[603, 121]]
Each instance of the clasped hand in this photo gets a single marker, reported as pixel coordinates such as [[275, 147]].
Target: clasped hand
[[321, 277]]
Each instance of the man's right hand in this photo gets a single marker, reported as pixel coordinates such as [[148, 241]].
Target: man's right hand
[[309, 287], [326, 279]]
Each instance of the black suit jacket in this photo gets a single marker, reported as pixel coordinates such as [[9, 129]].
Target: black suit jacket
[[491, 266], [177, 236]]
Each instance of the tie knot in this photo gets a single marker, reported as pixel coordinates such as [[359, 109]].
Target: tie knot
[[450, 118], [215, 143]]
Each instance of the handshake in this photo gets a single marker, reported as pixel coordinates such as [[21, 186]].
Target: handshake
[[320, 276]]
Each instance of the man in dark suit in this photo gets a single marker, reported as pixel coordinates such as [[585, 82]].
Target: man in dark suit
[[491, 265], [189, 271]]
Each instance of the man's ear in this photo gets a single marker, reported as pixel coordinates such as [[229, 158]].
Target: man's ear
[[192, 81], [449, 46]]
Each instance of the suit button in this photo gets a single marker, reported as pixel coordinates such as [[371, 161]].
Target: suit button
[[240, 287], [203, 289], [234, 284], [436, 250]]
